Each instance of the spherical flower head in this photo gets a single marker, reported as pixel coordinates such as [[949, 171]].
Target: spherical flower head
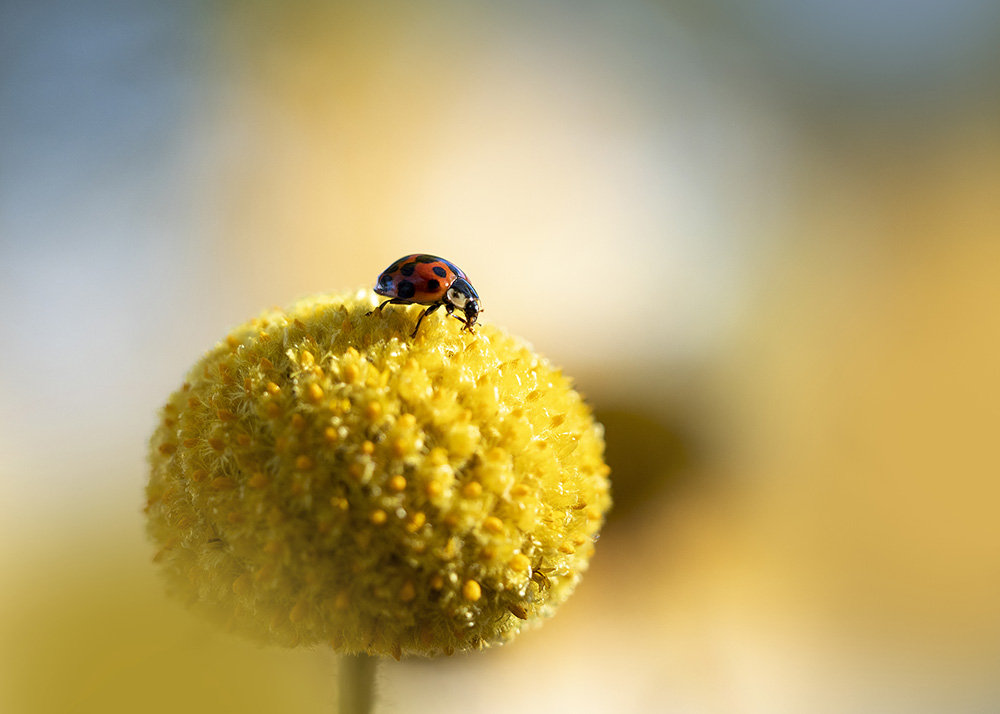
[[322, 477]]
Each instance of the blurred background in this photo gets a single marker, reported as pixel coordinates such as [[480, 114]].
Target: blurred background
[[763, 236]]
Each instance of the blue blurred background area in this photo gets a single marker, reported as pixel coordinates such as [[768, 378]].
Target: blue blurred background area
[[764, 238]]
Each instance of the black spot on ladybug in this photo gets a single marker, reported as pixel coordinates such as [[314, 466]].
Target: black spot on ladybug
[[426, 259], [406, 289], [408, 269], [440, 272], [433, 285]]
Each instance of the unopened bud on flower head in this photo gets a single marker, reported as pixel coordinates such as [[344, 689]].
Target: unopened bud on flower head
[[321, 477]]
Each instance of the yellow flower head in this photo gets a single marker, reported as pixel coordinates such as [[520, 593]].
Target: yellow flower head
[[321, 477]]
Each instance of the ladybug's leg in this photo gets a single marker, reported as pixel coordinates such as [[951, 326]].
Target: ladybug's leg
[[391, 301], [450, 308], [424, 314], [465, 322]]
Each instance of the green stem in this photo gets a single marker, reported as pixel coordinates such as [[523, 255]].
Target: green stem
[[357, 684]]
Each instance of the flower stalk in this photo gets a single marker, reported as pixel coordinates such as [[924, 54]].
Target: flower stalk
[[357, 683]]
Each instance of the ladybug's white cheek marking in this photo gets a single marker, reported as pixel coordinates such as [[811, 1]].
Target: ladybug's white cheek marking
[[456, 298]]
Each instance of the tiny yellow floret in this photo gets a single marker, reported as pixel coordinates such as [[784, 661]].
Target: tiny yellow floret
[[519, 562], [472, 590], [472, 489], [321, 477]]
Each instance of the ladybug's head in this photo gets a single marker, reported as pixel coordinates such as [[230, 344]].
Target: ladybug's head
[[464, 297]]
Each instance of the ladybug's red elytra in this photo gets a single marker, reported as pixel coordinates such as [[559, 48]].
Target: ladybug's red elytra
[[428, 280]]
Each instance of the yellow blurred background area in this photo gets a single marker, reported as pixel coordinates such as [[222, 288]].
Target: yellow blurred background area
[[764, 239]]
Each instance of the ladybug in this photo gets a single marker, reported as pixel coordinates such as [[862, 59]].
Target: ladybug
[[428, 280]]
